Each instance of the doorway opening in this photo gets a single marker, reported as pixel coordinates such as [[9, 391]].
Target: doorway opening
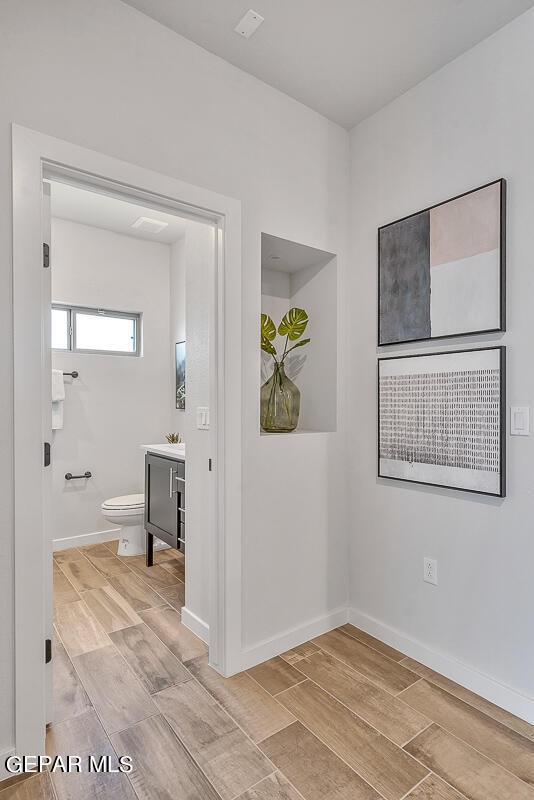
[[38, 161]]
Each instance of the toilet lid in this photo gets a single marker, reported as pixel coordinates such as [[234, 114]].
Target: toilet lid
[[125, 501]]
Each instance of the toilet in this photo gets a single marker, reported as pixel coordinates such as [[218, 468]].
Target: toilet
[[128, 512]]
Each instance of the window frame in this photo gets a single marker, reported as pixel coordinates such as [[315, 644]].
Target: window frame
[[73, 310]]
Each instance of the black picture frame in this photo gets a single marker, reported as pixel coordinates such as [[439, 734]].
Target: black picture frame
[[403, 293], [180, 375], [451, 409]]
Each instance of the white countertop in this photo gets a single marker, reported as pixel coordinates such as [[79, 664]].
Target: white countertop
[[176, 451]]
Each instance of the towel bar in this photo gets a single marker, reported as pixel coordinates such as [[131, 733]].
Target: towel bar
[[70, 477]]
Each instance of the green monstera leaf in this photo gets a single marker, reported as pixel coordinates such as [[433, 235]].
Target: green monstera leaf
[[293, 324], [268, 333]]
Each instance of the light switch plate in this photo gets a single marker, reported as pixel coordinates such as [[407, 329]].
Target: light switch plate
[[203, 418], [519, 421]]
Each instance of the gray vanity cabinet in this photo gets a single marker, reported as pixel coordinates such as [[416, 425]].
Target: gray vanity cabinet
[[164, 502]]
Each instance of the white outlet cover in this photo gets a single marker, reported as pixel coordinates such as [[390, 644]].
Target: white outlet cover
[[430, 570], [519, 421], [249, 23]]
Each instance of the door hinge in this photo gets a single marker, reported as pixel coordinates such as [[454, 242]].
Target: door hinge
[[209, 464], [46, 255], [46, 454], [48, 651]]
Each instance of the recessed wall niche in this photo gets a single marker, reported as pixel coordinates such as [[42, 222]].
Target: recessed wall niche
[[292, 275]]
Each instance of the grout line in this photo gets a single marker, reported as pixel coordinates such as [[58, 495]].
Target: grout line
[[398, 695], [292, 687], [370, 646], [236, 796], [407, 742], [408, 793], [275, 733]]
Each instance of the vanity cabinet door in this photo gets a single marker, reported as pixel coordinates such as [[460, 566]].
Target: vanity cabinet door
[[162, 497]]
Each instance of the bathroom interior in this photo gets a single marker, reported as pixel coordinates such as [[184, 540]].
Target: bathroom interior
[[125, 278]]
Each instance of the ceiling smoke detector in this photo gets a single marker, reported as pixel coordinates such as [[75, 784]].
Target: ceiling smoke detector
[[249, 24], [148, 225]]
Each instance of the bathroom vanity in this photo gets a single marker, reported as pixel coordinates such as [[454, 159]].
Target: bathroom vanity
[[164, 496]]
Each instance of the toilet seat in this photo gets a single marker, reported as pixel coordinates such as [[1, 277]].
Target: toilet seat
[[126, 502]]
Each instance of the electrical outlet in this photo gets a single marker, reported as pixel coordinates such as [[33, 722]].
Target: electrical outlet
[[430, 570]]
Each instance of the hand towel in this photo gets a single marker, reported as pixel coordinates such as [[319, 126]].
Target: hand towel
[[58, 386]]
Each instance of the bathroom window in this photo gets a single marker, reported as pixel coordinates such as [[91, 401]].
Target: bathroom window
[[95, 330]]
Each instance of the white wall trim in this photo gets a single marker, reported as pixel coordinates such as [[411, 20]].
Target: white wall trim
[[85, 538], [269, 648], [504, 696], [4, 774], [196, 625]]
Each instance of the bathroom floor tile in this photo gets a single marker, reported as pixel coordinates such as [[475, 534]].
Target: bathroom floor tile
[[83, 575], [70, 698], [71, 554], [136, 591], [79, 629], [167, 625], [64, 591], [103, 560], [153, 663], [110, 608], [174, 595]]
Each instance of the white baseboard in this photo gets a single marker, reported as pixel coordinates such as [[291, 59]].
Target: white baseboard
[[504, 696], [269, 648], [197, 625], [85, 538], [4, 774]]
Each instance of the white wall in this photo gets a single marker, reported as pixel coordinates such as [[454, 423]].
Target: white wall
[[118, 402], [209, 124], [468, 124]]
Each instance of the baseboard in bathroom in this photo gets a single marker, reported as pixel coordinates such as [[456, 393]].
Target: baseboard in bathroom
[[85, 538], [4, 773], [196, 625]]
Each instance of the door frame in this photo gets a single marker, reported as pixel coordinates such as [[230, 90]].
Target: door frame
[[33, 153]]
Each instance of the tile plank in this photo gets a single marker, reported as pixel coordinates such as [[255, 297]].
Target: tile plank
[[301, 651], [83, 575], [167, 625], [275, 675], [388, 714], [94, 785], [313, 768], [137, 593], [155, 576], [70, 698], [110, 608], [116, 694], [275, 787], [253, 709], [376, 759], [103, 560], [64, 591], [176, 568], [37, 787], [465, 769], [162, 767], [70, 554], [494, 740], [381, 670], [153, 663], [174, 595], [78, 629], [370, 641], [231, 762], [433, 788], [82, 734], [510, 720]]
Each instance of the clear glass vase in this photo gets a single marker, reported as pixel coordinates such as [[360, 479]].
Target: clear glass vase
[[279, 402]]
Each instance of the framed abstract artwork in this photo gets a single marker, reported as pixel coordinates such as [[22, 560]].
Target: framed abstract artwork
[[441, 272], [441, 419], [180, 374]]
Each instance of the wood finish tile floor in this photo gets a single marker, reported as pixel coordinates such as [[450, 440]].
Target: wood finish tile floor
[[342, 717]]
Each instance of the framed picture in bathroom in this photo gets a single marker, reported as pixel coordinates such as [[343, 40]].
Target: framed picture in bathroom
[[180, 375]]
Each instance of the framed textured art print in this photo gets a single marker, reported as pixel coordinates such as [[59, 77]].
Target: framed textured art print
[[441, 272], [441, 419]]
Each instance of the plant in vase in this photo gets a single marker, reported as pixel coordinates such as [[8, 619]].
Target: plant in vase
[[279, 397]]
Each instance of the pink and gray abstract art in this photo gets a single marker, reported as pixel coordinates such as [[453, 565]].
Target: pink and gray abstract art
[[441, 271]]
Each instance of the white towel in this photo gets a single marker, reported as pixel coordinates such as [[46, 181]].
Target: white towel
[[58, 396], [58, 385]]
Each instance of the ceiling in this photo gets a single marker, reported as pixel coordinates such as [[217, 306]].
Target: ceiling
[[104, 211], [343, 58]]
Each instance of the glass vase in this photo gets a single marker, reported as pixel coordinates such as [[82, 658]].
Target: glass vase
[[279, 402]]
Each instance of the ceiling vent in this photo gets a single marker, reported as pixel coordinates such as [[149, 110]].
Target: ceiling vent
[[249, 24], [148, 225]]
